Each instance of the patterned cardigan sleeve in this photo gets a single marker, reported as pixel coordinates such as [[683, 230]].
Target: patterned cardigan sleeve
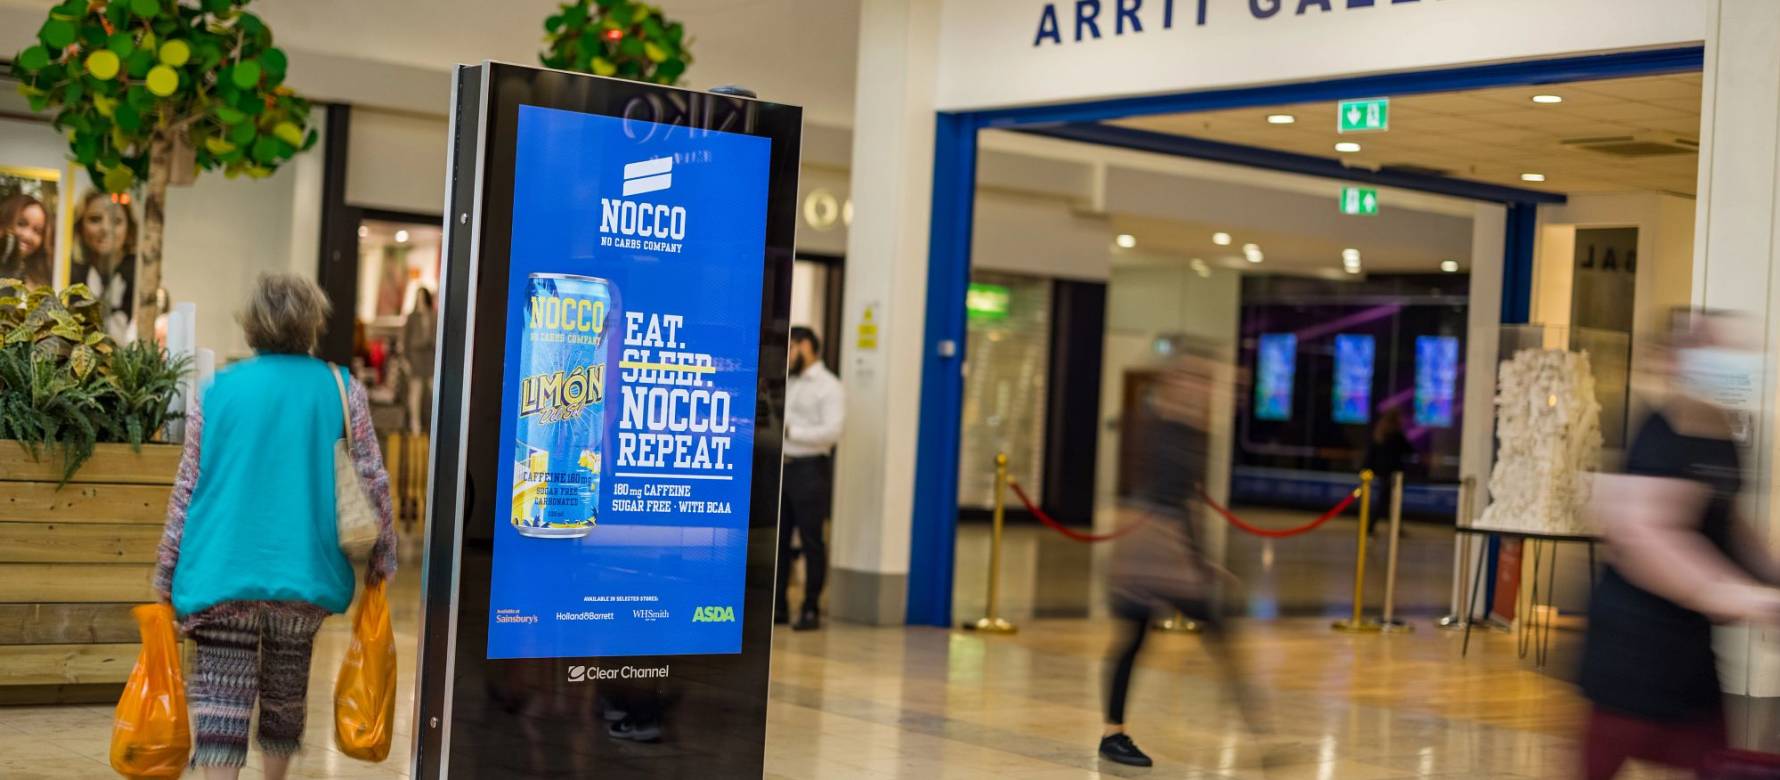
[[367, 456], [186, 481]]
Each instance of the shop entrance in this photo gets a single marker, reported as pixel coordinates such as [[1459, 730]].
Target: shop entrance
[[1565, 192]]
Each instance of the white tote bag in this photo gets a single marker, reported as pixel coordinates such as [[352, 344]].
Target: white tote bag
[[354, 517]]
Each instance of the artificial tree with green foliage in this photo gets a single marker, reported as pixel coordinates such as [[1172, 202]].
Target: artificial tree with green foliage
[[150, 92], [622, 38]]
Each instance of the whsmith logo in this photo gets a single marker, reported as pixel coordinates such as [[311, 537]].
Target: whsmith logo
[[651, 224], [714, 615]]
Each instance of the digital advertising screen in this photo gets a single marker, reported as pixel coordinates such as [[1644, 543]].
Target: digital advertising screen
[[1354, 357], [1436, 375], [1276, 362], [628, 389]]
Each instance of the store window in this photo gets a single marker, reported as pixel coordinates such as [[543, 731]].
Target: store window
[[1005, 384], [1337, 367]]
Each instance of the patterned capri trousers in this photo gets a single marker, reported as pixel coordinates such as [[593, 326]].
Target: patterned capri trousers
[[247, 652]]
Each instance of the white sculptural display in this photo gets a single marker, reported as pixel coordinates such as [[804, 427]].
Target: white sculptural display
[[1548, 425]]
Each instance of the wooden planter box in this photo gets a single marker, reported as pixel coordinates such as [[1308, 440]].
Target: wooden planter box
[[73, 561]]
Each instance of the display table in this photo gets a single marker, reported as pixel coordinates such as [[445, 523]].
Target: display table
[[1533, 630]]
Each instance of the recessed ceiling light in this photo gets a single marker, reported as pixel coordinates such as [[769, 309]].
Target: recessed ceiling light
[[363, 231], [1281, 119], [1532, 177], [401, 236], [1548, 99], [1221, 239], [1350, 255], [1352, 269], [1247, 248], [1126, 240], [1449, 266], [1347, 147], [1252, 253]]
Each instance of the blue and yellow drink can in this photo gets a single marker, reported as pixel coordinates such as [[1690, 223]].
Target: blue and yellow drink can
[[562, 405]]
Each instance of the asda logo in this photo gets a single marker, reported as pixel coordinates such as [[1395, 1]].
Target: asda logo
[[713, 615]]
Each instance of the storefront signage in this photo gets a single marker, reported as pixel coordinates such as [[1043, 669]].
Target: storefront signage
[[987, 301], [1360, 201], [999, 53], [1370, 115], [1087, 19]]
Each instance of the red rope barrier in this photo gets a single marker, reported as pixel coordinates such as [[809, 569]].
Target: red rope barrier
[[1269, 533], [1283, 532], [1066, 530]]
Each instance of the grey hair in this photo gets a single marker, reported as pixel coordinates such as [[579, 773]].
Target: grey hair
[[285, 315]]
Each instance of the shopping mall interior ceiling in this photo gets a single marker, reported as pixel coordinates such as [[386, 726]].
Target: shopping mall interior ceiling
[[795, 51], [1636, 134]]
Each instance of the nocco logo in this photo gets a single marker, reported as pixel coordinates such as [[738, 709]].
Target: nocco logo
[[628, 217], [714, 615]]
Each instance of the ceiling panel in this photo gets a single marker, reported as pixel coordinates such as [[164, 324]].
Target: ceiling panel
[[1491, 135]]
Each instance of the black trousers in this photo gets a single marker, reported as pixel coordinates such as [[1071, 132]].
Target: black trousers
[[1135, 627], [802, 511]]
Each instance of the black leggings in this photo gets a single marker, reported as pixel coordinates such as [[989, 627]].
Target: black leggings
[[1135, 627]]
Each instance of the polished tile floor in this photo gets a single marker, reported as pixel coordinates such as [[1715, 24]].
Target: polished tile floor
[[857, 702]]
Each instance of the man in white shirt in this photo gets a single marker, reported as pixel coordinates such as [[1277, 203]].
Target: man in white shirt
[[814, 409]]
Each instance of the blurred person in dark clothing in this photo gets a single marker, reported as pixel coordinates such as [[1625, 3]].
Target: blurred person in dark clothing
[[1678, 560], [1387, 452], [815, 408], [1161, 569]]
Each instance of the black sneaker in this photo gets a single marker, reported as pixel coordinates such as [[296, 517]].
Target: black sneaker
[[782, 617], [634, 731], [1119, 749], [808, 621]]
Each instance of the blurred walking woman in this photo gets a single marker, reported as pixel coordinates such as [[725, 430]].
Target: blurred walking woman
[[250, 558], [1161, 569], [1679, 561]]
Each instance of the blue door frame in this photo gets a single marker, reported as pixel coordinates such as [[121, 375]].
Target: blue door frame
[[934, 524]]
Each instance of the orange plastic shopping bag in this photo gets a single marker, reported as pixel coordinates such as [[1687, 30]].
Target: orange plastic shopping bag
[[365, 691], [151, 737]]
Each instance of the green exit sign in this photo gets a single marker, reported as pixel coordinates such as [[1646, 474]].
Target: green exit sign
[[987, 301], [1366, 115], [1359, 200]]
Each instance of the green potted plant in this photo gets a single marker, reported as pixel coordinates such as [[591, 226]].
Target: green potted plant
[[65, 388], [150, 92], [623, 38]]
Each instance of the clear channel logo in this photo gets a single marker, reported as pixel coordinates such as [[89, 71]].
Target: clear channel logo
[[629, 222]]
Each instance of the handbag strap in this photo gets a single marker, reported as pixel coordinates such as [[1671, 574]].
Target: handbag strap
[[345, 410]]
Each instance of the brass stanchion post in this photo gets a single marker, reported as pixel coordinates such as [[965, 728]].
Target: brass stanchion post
[[991, 622], [1390, 621], [1357, 622]]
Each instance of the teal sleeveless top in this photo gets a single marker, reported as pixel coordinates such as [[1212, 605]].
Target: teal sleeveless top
[[260, 525]]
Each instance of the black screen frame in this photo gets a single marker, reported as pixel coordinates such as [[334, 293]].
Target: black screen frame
[[476, 717]]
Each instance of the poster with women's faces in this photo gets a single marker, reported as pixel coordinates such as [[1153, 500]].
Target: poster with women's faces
[[104, 257], [30, 200]]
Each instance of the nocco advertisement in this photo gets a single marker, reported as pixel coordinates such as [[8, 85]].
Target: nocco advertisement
[[633, 316]]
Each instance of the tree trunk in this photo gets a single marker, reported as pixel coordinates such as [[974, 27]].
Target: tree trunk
[[154, 204]]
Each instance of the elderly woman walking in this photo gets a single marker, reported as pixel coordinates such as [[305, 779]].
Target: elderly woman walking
[[250, 558]]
